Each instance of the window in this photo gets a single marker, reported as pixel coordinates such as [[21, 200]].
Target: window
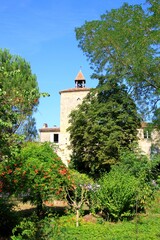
[[147, 134], [55, 138]]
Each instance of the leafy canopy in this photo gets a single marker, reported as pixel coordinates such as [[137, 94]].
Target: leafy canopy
[[124, 45], [19, 87], [19, 96], [103, 124]]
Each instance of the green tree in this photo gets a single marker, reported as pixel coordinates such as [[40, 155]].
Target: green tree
[[78, 192], [19, 96], [139, 165], [124, 45], [104, 124], [37, 174]]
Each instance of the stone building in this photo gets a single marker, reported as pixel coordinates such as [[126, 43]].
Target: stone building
[[148, 140], [69, 100]]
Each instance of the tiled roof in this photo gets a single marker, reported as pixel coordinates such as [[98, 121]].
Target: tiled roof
[[75, 90], [46, 129], [80, 76]]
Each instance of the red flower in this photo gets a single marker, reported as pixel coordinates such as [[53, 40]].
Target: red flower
[[63, 171]]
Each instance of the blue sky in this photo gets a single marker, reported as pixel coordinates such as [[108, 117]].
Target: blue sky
[[43, 33]]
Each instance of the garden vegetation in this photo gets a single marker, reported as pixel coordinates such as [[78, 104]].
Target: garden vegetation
[[111, 190]]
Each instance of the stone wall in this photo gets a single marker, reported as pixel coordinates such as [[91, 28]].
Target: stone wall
[[70, 99]]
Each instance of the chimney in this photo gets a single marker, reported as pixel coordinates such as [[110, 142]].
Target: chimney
[[45, 125]]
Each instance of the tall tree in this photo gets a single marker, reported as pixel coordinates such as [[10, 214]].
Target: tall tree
[[124, 44], [101, 127], [19, 96]]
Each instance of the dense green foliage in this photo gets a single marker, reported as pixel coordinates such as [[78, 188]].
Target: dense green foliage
[[142, 227], [124, 45], [36, 175], [119, 195], [139, 165], [104, 124], [123, 49], [19, 96], [128, 187]]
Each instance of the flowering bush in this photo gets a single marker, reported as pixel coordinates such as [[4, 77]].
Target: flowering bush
[[36, 175]]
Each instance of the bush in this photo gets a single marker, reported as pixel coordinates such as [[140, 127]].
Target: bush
[[51, 228], [140, 165], [117, 194], [120, 194], [34, 229], [38, 174]]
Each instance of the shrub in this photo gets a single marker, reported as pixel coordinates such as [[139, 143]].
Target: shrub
[[37, 175], [120, 194], [140, 165], [35, 229]]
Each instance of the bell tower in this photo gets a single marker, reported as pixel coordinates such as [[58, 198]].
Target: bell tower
[[80, 80], [69, 100]]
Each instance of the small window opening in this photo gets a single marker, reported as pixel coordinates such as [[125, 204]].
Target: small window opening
[[147, 134], [55, 138]]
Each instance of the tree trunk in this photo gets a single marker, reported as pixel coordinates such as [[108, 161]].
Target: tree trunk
[[77, 217]]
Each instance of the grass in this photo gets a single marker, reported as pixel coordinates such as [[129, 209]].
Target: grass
[[142, 227]]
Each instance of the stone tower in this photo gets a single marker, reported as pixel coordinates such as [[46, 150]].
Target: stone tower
[[69, 100]]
